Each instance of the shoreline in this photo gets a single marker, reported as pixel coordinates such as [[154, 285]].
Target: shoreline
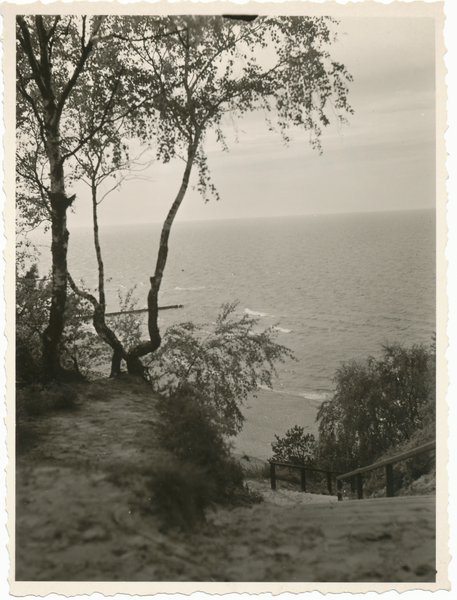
[[271, 414]]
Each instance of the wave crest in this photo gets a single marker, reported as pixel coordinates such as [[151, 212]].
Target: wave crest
[[255, 313]]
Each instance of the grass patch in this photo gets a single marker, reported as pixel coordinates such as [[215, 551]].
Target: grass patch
[[36, 400], [253, 468]]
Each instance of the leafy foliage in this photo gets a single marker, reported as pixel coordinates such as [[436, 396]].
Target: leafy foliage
[[127, 326], [378, 405], [297, 447], [32, 306], [223, 366], [85, 84], [196, 69], [81, 348], [36, 400], [179, 494], [189, 429]]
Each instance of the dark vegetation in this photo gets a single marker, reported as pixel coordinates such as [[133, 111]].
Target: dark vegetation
[[35, 401], [204, 472], [162, 83], [198, 472], [380, 408], [297, 447]]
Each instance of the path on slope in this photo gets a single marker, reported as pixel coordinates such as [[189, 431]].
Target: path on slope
[[75, 522]]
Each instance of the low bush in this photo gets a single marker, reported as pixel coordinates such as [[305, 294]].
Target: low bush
[[378, 405], [223, 362], [254, 468], [380, 408], [180, 493], [297, 447], [190, 431], [36, 399]]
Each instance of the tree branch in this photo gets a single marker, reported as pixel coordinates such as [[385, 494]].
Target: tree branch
[[26, 44], [79, 67]]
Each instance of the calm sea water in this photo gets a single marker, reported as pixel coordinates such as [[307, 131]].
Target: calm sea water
[[336, 287]]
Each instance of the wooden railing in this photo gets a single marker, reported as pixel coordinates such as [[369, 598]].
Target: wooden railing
[[303, 469], [388, 464]]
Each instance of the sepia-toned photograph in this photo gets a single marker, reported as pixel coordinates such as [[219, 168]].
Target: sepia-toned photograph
[[226, 360]]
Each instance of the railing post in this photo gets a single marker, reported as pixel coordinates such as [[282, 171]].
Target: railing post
[[390, 481], [339, 485], [359, 486], [273, 476], [303, 479], [329, 482]]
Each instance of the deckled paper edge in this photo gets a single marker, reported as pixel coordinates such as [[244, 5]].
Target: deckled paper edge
[[75, 588]]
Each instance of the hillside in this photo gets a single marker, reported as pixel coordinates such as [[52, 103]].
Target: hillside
[[84, 512]]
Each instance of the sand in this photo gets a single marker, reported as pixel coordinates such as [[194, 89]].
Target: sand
[[74, 523], [273, 413]]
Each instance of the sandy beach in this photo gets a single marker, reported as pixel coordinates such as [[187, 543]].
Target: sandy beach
[[269, 414]]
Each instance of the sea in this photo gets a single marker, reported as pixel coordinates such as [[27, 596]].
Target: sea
[[334, 287]]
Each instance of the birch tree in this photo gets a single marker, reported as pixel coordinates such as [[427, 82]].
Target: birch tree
[[53, 54], [176, 78], [103, 165], [195, 70]]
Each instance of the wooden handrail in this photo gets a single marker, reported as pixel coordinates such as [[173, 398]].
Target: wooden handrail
[[387, 463], [294, 466], [303, 469], [391, 461]]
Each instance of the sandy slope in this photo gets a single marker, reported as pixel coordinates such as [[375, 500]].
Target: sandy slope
[[74, 522]]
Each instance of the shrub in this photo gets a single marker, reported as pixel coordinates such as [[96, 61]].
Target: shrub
[[126, 326], [180, 492], [189, 429], [223, 365], [80, 348], [297, 447], [377, 405], [36, 399], [32, 308]]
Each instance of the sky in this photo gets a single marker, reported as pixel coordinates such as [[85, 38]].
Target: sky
[[383, 159]]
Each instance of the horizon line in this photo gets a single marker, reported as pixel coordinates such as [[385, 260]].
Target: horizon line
[[252, 218]]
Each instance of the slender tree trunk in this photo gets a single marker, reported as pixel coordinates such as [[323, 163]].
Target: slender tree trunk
[[98, 250], [106, 334], [39, 57], [109, 337], [59, 202], [133, 363], [116, 364], [100, 310], [101, 327]]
